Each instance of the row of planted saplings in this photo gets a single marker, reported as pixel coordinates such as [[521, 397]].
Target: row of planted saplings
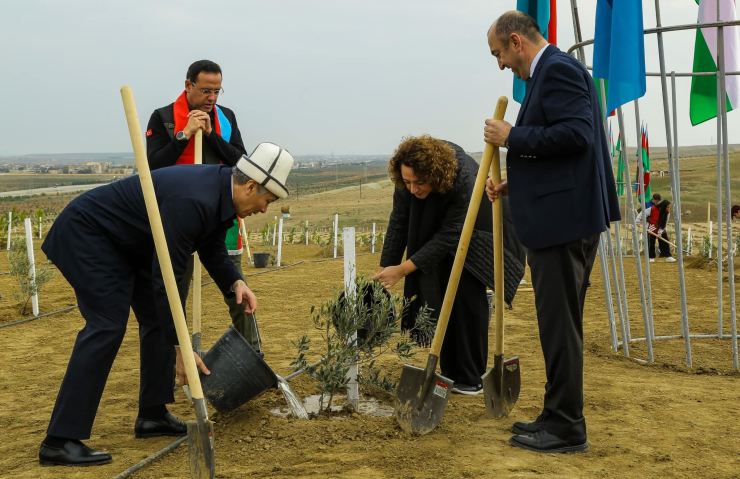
[[325, 237]]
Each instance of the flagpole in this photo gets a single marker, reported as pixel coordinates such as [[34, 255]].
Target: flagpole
[[602, 249], [638, 263], [722, 93], [641, 196], [675, 185], [621, 295], [677, 220], [720, 286]]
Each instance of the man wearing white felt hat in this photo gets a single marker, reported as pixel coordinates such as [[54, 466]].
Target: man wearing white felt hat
[[109, 226]]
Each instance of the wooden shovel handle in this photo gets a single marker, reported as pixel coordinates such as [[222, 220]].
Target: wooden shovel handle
[[467, 232], [155, 221], [198, 160], [498, 242]]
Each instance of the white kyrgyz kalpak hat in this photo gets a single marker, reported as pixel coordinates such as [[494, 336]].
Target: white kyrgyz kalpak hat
[[269, 166]]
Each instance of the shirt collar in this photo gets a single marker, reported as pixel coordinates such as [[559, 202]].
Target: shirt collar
[[536, 59], [227, 199]]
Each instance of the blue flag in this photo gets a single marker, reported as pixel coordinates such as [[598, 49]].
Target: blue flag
[[619, 50], [540, 11]]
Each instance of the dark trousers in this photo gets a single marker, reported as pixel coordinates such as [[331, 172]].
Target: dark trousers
[[107, 285], [560, 280], [465, 347], [664, 249], [243, 322]]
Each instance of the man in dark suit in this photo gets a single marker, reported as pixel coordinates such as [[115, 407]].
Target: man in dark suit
[[562, 197], [102, 243]]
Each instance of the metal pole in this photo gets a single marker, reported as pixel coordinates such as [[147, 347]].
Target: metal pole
[[613, 267], [675, 181], [676, 188], [607, 291], [622, 281], [602, 250], [720, 286], [641, 182], [577, 30], [730, 260], [631, 216]]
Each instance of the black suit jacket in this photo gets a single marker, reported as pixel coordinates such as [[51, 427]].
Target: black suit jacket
[[195, 202], [561, 183]]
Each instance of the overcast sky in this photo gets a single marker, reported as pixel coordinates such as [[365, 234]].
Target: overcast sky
[[347, 76]]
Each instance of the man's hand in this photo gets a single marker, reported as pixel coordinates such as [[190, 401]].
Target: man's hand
[[244, 294], [494, 192], [194, 124], [496, 132], [182, 377], [204, 119]]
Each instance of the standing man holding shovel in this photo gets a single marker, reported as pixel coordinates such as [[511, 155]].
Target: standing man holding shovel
[[563, 196], [102, 243], [170, 140]]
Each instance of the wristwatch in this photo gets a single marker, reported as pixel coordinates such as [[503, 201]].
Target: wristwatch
[[506, 143], [180, 136]]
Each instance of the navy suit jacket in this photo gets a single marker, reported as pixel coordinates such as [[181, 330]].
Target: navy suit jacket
[[561, 183], [195, 202]]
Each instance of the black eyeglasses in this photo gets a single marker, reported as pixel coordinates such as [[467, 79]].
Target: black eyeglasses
[[208, 91]]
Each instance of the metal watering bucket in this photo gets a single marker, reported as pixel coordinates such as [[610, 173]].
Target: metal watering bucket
[[238, 373]]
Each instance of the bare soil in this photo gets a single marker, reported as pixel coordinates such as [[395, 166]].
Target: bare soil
[[644, 420]]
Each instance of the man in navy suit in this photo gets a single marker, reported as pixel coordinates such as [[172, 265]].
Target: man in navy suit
[[102, 243], [562, 197]]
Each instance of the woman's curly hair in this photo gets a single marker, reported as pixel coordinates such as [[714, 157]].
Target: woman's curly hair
[[432, 160]]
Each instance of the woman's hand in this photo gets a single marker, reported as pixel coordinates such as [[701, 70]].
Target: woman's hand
[[389, 276]]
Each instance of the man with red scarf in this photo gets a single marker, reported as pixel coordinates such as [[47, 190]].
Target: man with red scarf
[[169, 141]]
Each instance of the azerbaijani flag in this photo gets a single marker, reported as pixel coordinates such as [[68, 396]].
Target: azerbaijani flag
[[620, 168], [645, 168], [703, 104], [545, 13]]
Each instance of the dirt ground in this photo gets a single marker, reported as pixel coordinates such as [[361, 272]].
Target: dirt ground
[[654, 420]]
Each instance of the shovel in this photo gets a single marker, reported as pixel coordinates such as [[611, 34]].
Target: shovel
[[501, 384], [198, 160], [422, 394], [200, 432]]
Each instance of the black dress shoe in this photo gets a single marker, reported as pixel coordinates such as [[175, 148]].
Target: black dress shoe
[[525, 428], [168, 426], [72, 453], [543, 441]]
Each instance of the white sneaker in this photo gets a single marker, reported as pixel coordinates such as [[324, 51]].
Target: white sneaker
[[652, 260], [670, 260]]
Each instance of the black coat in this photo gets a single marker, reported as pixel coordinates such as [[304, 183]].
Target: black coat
[[561, 183], [196, 206], [429, 230]]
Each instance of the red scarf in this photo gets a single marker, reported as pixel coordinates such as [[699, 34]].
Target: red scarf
[[180, 111]]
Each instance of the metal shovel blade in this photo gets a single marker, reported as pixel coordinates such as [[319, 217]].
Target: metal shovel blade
[[200, 450], [421, 397], [501, 385]]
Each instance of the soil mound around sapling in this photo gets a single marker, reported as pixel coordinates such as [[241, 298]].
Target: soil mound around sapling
[[699, 262]]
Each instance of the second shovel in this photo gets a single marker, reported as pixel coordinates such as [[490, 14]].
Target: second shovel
[[502, 383]]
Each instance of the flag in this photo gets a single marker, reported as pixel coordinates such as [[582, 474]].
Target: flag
[[619, 50], [620, 168], [545, 14], [644, 155], [703, 104], [597, 81]]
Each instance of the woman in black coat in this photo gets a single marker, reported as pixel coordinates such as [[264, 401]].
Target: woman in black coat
[[434, 181]]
